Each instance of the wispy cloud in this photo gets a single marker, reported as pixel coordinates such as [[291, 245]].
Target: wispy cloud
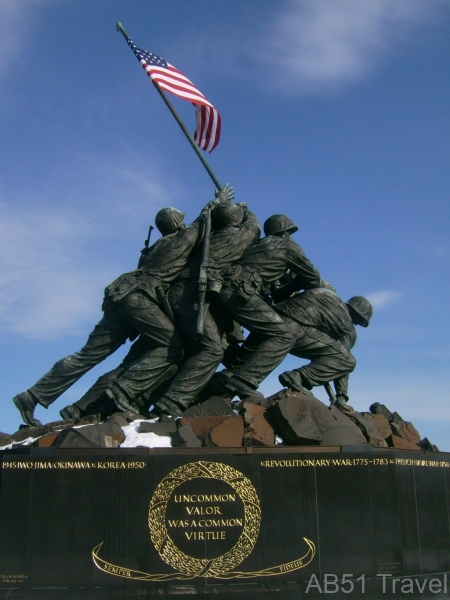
[[440, 251], [17, 18], [318, 45], [53, 265], [118, 193], [383, 299], [47, 285]]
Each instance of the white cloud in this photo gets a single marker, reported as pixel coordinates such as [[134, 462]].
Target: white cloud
[[130, 193], [383, 299], [316, 45], [17, 18], [53, 263], [44, 290]]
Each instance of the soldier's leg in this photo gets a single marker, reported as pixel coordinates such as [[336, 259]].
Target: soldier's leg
[[197, 370], [94, 400], [341, 388], [329, 358], [164, 346], [274, 337], [108, 335], [237, 354], [90, 402]]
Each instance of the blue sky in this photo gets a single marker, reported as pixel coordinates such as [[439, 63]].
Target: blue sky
[[335, 112]]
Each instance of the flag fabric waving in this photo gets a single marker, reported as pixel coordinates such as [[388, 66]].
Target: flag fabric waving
[[208, 122]]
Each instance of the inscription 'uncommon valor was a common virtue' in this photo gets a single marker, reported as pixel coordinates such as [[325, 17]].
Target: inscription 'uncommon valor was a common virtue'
[[199, 505]]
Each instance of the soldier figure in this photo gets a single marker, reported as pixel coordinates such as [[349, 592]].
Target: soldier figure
[[132, 305], [235, 229], [324, 328], [247, 284]]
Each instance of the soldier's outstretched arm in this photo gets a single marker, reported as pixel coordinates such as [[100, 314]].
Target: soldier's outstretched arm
[[307, 275], [230, 243], [283, 292], [247, 233]]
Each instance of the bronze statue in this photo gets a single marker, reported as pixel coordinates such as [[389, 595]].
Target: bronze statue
[[234, 230], [324, 329], [244, 294], [239, 273], [95, 400], [132, 305]]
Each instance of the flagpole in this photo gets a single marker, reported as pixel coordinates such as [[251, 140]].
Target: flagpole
[[178, 120]]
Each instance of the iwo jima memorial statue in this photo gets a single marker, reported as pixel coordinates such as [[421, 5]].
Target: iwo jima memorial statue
[[280, 497]]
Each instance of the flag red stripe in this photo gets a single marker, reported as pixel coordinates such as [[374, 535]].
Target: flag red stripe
[[208, 121], [207, 133], [179, 88], [183, 94], [159, 72]]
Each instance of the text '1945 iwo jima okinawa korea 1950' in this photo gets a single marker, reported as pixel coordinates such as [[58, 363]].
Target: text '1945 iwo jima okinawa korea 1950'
[[195, 291]]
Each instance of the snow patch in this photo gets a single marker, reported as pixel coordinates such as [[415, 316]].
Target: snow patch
[[151, 440]]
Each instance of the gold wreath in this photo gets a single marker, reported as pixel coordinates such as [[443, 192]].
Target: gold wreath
[[195, 567]]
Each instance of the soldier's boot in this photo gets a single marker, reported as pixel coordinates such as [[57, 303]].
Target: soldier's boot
[[26, 405], [237, 387], [119, 399], [170, 407], [341, 403], [70, 412], [215, 385], [293, 380]]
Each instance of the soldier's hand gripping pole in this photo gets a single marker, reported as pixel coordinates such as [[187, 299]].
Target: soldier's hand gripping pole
[[203, 278]]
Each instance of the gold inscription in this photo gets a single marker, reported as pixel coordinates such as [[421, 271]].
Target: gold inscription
[[205, 535], [353, 462], [121, 571], [214, 527], [13, 578], [203, 510], [202, 517], [292, 566], [208, 510], [205, 498], [206, 523], [61, 465], [296, 463], [422, 463]]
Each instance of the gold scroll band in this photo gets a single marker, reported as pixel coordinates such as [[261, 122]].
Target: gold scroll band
[[118, 571]]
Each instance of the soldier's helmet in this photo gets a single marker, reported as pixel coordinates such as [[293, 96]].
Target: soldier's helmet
[[226, 214], [277, 224], [362, 308], [168, 220]]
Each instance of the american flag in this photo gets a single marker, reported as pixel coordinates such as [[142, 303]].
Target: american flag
[[208, 122]]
